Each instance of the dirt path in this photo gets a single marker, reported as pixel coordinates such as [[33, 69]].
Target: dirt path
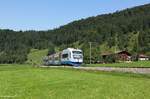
[[131, 70]]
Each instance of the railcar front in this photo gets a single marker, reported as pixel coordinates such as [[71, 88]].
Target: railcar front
[[71, 56]]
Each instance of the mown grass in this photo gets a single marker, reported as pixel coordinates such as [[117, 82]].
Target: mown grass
[[131, 64], [25, 82]]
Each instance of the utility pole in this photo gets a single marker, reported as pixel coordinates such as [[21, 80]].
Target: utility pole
[[116, 42], [90, 51], [137, 41]]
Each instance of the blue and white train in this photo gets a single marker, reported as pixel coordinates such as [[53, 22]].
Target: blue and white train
[[69, 56]]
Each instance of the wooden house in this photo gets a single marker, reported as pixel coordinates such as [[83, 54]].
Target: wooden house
[[123, 56], [119, 56]]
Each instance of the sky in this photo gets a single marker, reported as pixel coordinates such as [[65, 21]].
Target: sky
[[50, 14]]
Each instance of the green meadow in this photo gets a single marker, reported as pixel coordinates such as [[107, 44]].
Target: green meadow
[[123, 64], [27, 82], [36, 56]]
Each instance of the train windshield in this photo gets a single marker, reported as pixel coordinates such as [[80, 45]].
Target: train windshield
[[76, 52]]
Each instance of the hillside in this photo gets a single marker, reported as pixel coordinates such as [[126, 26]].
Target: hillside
[[128, 29], [35, 56]]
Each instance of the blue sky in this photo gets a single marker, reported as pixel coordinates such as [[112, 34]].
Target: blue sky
[[49, 14]]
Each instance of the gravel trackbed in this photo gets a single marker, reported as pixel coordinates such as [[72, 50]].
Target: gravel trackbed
[[110, 69]]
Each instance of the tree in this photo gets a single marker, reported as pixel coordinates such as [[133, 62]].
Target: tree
[[51, 49]]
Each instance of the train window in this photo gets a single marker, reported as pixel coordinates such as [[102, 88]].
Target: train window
[[65, 56], [77, 56], [76, 52]]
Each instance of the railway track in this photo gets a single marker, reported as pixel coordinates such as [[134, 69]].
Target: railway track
[[109, 69]]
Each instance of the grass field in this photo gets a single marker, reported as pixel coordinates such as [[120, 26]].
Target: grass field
[[35, 56], [25, 82], [132, 64]]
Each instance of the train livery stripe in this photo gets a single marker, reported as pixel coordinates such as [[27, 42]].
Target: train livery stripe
[[71, 63]]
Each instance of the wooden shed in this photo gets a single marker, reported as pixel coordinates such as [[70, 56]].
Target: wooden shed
[[142, 57]]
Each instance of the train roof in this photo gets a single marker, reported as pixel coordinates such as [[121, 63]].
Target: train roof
[[74, 49]]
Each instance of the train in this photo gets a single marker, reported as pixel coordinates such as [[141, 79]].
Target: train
[[69, 56]]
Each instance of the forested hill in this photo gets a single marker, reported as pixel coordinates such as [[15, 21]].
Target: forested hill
[[123, 30]]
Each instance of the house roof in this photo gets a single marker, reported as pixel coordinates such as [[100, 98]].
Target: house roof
[[124, 52], [118, 52], [143, 56]]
